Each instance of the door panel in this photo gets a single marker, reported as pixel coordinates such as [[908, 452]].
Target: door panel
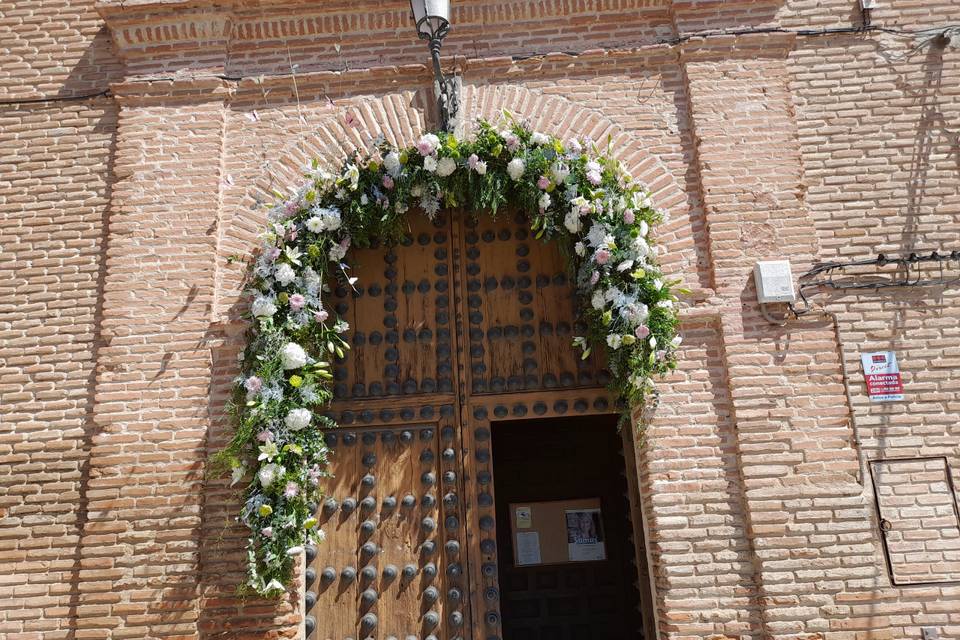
[[461, 323]]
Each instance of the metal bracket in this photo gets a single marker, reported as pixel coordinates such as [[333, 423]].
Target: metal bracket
[[447, 90]]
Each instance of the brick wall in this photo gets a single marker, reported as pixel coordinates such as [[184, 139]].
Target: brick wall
[[117, 333], [55, 189]]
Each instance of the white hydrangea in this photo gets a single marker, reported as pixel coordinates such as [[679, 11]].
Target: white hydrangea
[[311, 280], [392, 163], [599, 236], [325, 219], [268, 474], [293, 356], [263, 307], [516, 168], [284, 274], [539, 138], [297, 419], [634, 313], [446, 166]]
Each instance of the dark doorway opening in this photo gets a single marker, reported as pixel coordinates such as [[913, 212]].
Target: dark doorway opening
[[553, 467]]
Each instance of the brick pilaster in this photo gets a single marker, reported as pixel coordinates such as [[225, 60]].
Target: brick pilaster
[[140, 548]]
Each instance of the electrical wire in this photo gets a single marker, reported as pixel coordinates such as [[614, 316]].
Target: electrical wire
[[908, 274]]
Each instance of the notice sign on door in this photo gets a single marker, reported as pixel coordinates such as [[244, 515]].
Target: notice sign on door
[[884, 383]]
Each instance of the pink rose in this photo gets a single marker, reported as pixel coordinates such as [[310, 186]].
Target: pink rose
[[297, 301], [628, 216], [543, 182], [387, 182], [602, 256], [642, 331]]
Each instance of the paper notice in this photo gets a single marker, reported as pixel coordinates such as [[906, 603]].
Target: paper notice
[[585, 535], [528, 548], [524, 518]]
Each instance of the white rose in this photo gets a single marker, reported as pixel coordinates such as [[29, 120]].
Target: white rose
[[481, 167], [263, 307], [293, 356], [430, 164], [268, 474], [540, 138], [284, 274], [572, 222], [598, 301], [297, 419], [392, 163], [544, 201], [446, 166], [516, 168], [315, 224]]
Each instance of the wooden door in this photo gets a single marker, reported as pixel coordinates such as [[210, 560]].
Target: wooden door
[[462, 322]]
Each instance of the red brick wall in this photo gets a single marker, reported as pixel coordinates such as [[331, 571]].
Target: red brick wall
[[116, 315]]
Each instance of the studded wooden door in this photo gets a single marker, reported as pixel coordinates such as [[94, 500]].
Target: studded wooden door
[[461, 323]]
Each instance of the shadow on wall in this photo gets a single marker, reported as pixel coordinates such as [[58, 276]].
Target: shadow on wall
[[932, 132]]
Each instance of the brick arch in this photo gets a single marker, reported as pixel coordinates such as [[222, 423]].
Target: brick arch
[[401, 118]]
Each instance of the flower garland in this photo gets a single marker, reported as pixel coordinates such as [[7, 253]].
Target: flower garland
[[571, 193]]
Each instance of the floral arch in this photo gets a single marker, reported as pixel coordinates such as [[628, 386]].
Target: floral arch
[[573, 192]]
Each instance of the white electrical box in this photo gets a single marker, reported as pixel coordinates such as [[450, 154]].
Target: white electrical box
[[868, 4], [774, 281]]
